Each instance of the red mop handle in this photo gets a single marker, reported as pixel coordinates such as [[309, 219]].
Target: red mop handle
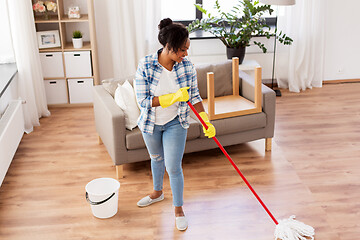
[[233, 164]]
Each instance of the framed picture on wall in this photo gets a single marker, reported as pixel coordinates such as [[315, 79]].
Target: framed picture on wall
[[48, 39]]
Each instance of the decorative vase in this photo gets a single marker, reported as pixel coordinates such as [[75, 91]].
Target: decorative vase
[[46, 15], [236, 52], [77, 42]]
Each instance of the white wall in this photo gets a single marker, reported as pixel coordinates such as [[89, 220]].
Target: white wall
[[342, 49]]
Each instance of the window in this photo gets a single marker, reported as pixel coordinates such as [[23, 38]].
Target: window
[[226, 6], [6, 54], [6, 48], [185, 12], [178, 10]]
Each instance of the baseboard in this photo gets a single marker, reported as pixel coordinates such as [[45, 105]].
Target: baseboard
[[268, 82], [269, 85], [324, 82], [341, 81], [67, 105]]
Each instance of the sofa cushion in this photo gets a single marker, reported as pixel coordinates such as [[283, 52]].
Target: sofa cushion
[[238, 124], [111, 84], [222, 78], [126, 100], [134, 139]]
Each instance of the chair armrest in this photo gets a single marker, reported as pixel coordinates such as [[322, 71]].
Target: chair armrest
[[268, 100], [110, 124]]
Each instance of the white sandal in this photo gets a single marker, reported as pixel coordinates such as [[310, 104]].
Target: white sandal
[[146, 201], [181, 223]]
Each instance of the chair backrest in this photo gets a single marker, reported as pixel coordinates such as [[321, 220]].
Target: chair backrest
[[223, 78]]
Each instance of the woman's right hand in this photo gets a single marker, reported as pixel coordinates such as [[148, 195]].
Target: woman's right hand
[[181, 95]]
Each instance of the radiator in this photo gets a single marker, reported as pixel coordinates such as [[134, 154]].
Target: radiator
[[11, 132]]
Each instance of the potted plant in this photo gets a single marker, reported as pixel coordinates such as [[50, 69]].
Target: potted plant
[[77, 39], [236, 28]]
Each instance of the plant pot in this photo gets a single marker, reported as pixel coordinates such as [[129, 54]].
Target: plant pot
[[77, 42], [236, 52]]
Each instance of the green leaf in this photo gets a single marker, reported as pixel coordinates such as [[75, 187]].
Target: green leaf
[[200, 8]]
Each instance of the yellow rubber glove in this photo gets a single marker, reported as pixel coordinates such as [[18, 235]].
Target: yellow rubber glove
[[181, 95], [210, 132]]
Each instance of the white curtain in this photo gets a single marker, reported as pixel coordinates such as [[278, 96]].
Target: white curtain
[[301, 65], [126, 31], [30, 79]]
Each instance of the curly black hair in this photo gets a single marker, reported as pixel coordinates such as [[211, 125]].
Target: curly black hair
[[173, 34]]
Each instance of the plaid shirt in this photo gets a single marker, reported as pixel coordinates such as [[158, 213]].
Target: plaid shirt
[[147, 78]]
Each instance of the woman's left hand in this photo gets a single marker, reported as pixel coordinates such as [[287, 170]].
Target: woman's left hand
[[210, 132]]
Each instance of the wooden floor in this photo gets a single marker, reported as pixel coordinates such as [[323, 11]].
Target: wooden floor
[[313, 172]]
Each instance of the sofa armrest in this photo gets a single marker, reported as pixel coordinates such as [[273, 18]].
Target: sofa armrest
[[268, 100], [110, 124]]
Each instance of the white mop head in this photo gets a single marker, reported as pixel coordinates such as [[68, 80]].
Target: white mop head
[[291, 229]]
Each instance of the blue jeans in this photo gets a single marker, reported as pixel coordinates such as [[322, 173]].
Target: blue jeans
[[166, 148]]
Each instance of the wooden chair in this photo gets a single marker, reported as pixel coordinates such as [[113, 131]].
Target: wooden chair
[[232, 105]]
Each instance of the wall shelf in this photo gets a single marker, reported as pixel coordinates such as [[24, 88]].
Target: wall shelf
[[83, 18], [57, 49], [69, 47], [52, 19]]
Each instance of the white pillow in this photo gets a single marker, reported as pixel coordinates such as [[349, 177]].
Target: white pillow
[[125, 98], [111, 84]]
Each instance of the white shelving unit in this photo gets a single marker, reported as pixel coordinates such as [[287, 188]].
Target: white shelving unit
[[64, 66]]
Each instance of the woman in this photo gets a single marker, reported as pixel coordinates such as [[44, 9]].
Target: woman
[[164, 82]]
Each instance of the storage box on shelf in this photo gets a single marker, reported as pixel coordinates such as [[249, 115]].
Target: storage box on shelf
[[80, 90], [69, 73], [56, 91], [52, 64], [78, 64]]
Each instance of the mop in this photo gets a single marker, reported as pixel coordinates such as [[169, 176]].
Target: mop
[[287, 229]]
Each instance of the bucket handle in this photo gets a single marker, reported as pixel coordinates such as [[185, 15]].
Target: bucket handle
[[97, 203]]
